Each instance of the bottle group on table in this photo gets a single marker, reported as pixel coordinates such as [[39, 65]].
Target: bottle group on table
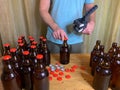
[[24, 67], [105, 67]]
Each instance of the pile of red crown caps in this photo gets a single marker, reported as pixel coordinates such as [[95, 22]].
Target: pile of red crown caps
[[59, 72]]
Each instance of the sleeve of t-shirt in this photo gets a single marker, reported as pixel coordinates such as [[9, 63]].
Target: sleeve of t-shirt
[[89, 1]]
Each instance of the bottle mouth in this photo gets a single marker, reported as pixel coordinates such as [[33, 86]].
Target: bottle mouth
[[25, 52], [13, 50], [6, 45], [44, 39], [65, 39], [39, 56], [6, 57], [33, 46]]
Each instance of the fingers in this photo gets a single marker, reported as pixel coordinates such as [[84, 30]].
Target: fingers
[[86, 31], [55, 35], [59, 34], [63, 36], [89, 29]]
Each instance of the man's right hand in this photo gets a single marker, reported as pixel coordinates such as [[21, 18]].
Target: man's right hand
[[59, 34], [44, 7]]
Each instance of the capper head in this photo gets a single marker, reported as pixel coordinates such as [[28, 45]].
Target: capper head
[[79, 25]]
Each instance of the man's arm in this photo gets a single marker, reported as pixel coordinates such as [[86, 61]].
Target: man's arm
[[44, 12], [91, 23], [44, 6]]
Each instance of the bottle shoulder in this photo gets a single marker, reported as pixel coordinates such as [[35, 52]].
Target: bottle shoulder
[[8, 76], [40, 74]]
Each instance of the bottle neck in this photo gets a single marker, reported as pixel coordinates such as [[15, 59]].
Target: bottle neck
[[26, 60], [65, 43], [106, 62], [33, 50], [7, 67], [39, 64], [20, 50], [7, 51], [40, 42], [44, 47], [13, 54]]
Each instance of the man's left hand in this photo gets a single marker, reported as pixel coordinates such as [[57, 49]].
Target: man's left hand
[[89, 29]]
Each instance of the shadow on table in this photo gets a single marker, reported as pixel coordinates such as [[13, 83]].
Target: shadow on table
[[55, 57], [86, 74]]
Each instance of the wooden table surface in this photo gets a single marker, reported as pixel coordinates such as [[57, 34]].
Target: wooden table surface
[[81, 79]]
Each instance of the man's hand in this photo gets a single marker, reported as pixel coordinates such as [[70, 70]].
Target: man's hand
[[89, 29], [59, 34], [44, 7]]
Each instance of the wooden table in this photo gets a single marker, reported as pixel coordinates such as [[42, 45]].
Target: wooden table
[[81, 79]]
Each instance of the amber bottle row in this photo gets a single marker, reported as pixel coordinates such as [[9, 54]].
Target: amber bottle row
[[24, 67], [105, 67]]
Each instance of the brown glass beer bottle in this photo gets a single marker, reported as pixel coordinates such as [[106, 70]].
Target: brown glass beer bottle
[[30, 37], [26, 71], [40, 45], [10, 79], [64, 53], [95, 63], [24, 42], [97, 58], [20, 50], [97, 46], [112, 50], [102, 74], [15, 60], [6, 49], [95, 49], [46, 53], [101, 49], [18, 42], [30, 43], [33, 53], [40, 75], [115, 80], [34, 43]]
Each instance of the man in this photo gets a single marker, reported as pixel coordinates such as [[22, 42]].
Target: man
[[62, 14]]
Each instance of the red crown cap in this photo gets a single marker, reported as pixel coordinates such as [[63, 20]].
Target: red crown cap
[[13, 50], [39, 56], [6, 57], [33, 46], [25, 52], [6, 45]]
